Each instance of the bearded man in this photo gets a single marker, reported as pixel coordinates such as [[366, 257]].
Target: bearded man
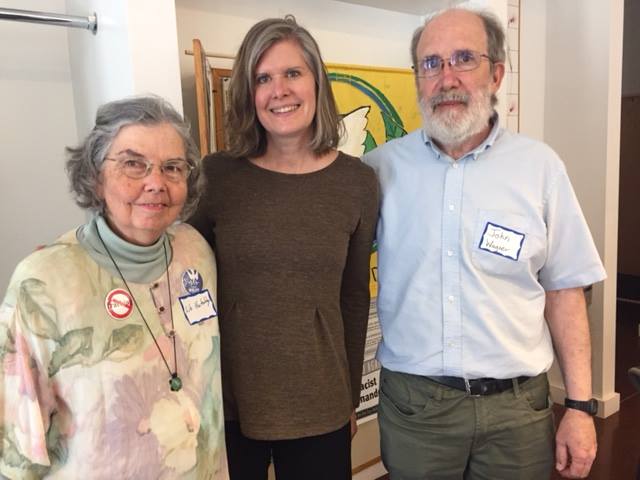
[[483, 254]]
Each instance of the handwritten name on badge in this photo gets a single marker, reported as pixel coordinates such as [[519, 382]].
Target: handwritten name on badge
[[502, 241], [198, 307]]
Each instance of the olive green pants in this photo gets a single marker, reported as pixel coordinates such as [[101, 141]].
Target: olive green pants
[[433, 432]]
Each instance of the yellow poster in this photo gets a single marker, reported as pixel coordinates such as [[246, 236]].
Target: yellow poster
[[377, 105]]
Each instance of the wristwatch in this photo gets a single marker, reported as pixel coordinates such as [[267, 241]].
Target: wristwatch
[[588, 406]]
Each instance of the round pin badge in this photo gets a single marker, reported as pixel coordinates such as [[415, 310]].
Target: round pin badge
[[192, 281], [118, 303]]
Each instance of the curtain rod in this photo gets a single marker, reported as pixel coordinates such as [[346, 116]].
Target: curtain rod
[[89, 23]]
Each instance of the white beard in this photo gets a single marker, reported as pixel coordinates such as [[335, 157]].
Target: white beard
[[451, 129]]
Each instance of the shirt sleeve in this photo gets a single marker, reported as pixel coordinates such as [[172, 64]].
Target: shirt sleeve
[[572, 258], [354, 293], [27, 400]]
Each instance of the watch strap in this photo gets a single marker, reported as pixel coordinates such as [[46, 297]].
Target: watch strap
[[588, 406]]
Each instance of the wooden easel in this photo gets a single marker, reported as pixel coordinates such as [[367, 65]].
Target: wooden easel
[[209, 88]]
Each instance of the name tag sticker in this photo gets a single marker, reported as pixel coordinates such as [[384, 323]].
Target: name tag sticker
[[198, 307], [501, 241]]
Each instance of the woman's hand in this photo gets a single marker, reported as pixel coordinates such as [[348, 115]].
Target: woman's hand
[[354, 424]]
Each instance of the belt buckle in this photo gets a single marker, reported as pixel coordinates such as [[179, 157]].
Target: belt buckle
[[467, 386]]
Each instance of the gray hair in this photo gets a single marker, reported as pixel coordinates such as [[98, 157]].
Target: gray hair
[[492, 27], [84, 162], [246, 137]]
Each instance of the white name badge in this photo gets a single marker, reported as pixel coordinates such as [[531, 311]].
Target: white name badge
[[198, 307], [502, 241]]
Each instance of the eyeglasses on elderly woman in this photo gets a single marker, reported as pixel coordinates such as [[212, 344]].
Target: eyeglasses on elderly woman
[[137, 167]]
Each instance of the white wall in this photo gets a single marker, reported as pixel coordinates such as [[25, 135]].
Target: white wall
[[135, 51], [52, 80], [533, 51], [582, 123], [36, 122], [100, 64]]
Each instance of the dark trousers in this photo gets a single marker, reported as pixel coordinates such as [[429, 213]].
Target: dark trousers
[[321, 457]]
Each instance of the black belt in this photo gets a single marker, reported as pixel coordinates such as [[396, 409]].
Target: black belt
[[479, 386]]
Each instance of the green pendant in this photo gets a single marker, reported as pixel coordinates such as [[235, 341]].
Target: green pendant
[[175, 383]]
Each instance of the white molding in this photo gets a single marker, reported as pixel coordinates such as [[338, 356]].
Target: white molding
[[606, 406], [371, 473]]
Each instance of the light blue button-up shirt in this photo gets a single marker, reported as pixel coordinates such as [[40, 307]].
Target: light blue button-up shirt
[[466, 251]]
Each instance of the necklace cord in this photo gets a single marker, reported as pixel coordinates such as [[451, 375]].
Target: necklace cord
[[135, 302], [173, 330]]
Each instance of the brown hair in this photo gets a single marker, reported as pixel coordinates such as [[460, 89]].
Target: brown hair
[[246, 137]]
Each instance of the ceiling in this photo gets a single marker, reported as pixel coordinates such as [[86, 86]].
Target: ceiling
[[414, 7]]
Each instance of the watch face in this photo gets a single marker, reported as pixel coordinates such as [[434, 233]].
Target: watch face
[[592, 406]]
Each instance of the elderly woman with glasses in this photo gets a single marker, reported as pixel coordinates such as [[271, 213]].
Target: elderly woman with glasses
[[109, 338]]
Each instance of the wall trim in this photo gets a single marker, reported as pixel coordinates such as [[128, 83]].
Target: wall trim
[[606, 406], [372, 472]]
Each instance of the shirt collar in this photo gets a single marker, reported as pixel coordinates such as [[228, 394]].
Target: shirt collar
[[487, 142]]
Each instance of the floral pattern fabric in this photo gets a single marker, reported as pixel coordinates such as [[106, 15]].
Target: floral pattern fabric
[[84, 394]]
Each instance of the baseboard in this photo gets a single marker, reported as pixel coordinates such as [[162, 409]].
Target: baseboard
[[372, 472], [606, 406]]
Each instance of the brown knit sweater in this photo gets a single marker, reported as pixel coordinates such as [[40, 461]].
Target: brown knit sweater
[[293, 266]]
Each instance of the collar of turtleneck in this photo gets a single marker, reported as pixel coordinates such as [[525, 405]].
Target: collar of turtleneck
[[138, 264]]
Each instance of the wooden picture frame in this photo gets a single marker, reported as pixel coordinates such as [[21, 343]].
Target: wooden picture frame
[[219, 76], [202, 96]]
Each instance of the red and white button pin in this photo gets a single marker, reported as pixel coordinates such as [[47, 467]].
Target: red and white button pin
[[118, 303]]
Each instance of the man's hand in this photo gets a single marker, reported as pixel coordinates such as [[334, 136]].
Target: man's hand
[[575, 444]]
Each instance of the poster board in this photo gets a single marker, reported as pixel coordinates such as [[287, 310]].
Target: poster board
[[377, 102], [377, 105]]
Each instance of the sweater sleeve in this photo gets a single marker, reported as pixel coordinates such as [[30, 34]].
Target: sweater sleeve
[[354, 292]]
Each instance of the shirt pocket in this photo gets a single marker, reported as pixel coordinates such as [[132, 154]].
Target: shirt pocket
[[503, 242]]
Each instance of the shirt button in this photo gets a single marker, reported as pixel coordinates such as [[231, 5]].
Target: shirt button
[[455, 165], [449, 253], [450, 298], [451, 208]]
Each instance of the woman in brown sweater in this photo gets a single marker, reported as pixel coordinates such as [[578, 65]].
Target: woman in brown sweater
[[292, 221]]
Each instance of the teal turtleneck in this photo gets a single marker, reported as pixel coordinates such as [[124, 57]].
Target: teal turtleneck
[[138, 264]]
